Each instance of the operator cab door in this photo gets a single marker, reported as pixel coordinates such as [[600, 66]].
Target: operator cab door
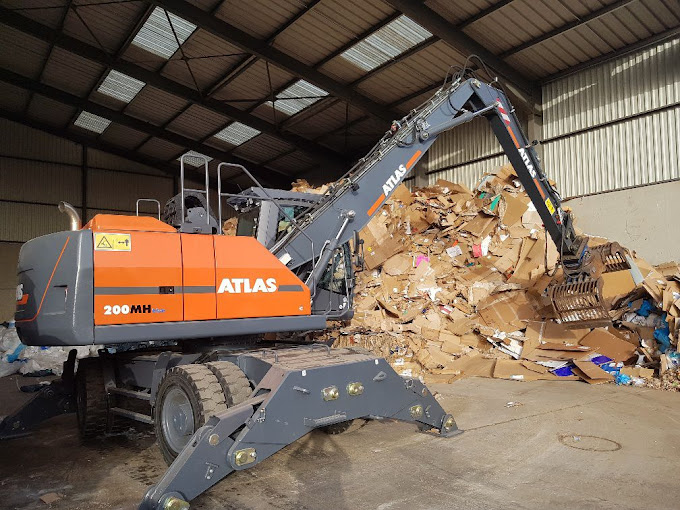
[[139, 281]]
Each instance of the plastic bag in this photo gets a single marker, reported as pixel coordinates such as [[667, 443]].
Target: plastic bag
[[17, 357], [646, 308], [10, 350], [622, 379], [9, 340]]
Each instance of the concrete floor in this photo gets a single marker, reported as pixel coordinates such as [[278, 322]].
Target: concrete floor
[[569, 445]]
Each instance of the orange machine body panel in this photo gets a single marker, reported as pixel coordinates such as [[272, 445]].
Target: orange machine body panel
[[251, 282], [198, 266], [139, 285], [121, 223], [136, 285], [160, 275]]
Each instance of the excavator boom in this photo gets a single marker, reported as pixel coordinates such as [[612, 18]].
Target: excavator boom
[[352, 201]]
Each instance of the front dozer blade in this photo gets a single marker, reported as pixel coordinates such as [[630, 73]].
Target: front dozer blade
[[580, 304]]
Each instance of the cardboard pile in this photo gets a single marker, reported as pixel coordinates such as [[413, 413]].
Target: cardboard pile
[[229, 227], [455, 285]]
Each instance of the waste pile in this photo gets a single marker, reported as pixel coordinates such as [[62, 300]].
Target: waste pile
[[455, 284]]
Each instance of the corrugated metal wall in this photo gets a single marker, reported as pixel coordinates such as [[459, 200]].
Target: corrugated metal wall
[[616, 125], [38, 170], [465, 153], [610, 127]]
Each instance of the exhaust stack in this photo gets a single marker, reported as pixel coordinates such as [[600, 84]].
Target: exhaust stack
[[73, 215]]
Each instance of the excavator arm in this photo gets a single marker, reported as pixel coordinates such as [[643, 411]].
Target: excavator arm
[[353, 200]]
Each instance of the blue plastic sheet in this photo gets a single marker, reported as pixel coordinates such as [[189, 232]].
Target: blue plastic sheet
[[600, 360], [661, 335], [622, 379], [564, 371], [646, 308]]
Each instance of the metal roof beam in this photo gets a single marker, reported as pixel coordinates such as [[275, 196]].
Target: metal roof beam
[[248, 62], [93, 143], [119, 53], [566, 27], [329, 101], [322, 154], [463, 43], [67, 9], [484, 13], [399, 58], [261, 49], [612, 55], [60, 96]]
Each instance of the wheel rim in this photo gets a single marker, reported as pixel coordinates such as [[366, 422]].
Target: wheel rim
[[177, 419]]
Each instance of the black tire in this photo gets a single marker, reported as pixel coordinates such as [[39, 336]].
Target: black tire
[[92, 405], [235, 384], [204, 394]]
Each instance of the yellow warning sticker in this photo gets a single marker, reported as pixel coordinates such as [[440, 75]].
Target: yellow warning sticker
[[550, 206], [112, 242]]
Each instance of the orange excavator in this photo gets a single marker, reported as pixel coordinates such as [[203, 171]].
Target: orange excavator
[[179, 309]]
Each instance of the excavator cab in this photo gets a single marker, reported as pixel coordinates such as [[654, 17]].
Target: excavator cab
[[269, 214]]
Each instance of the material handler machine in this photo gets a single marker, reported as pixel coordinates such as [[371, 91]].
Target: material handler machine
[[179, 309]]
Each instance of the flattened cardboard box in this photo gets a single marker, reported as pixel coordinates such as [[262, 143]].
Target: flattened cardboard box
[[517, 371], [603, 342], [591, 373]]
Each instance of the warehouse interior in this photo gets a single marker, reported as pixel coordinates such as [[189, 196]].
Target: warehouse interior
[[100, 99]]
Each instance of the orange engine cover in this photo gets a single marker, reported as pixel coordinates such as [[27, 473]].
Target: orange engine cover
[[144, 271]]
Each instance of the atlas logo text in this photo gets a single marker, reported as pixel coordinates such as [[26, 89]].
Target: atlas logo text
[[527, 162], [394, 180], [246, 285]]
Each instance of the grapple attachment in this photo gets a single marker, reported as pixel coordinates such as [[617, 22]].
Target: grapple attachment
[[580, 304], [613, 257]]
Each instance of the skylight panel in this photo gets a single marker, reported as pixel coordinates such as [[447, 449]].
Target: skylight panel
[[121, 86], [297, 97], [194, 158], [157, 37], [387, 43], [237, 133], [92, 122]]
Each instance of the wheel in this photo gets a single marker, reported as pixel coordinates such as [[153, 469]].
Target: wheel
[[187, 396], [235, 384], [92, 406]]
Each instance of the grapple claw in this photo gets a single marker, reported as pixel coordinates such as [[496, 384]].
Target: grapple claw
[[613, 257], [580, 304]]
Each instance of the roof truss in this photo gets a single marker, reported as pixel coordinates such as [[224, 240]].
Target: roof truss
[[261, 49], [324, 155], [165, 167], [55, 94]]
